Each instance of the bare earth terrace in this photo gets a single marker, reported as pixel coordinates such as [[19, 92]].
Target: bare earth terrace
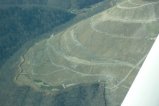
[[108, 47]]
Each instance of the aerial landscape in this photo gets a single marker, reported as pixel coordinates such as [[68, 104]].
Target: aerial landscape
[[84, 53]]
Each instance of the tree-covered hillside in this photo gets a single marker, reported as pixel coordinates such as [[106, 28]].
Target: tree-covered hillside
[[19, 25], [64, 4], [23, 20]]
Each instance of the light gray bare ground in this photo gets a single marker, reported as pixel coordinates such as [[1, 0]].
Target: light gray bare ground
[[108, 47]]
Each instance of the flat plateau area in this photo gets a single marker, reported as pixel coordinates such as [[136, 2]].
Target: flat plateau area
[[108, 47]]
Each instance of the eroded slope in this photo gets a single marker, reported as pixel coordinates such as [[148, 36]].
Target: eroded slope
[[108, 47]]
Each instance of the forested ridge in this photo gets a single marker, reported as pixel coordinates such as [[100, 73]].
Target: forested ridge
[[19, 25]]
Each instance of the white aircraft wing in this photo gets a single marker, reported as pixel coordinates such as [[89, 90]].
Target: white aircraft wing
[[145, 89]]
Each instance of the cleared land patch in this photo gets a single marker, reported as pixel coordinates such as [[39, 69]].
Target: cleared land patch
[[108, 47]]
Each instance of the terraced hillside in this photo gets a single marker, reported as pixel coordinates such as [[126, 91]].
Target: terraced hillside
[[108, 47], [23, 21]]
